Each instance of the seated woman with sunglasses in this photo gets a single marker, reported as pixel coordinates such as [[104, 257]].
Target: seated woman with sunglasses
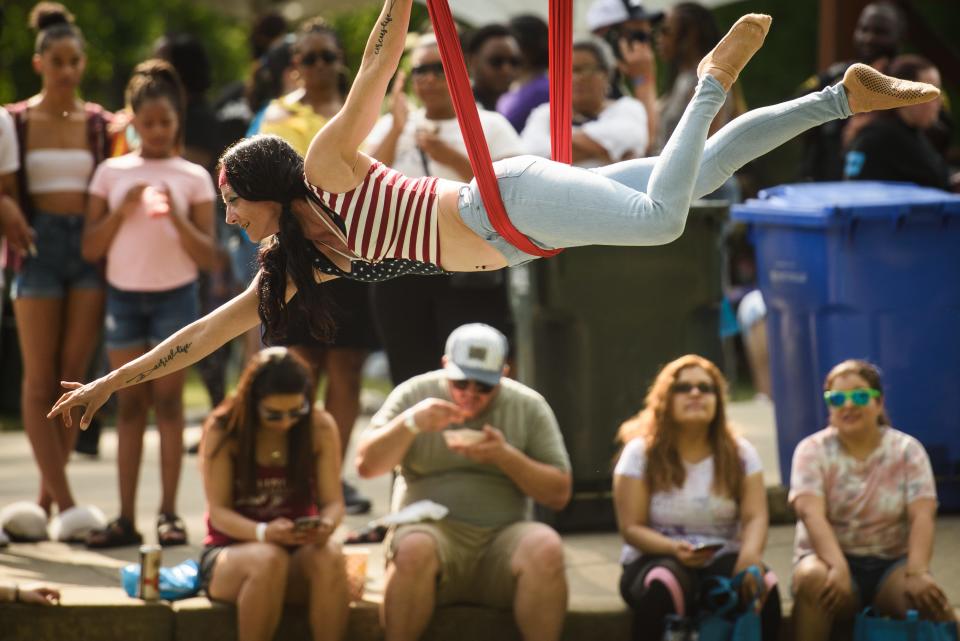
[[271, 473], [690, 502], [866, 504], [342, 214]]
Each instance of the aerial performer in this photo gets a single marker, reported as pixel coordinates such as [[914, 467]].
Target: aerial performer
[[340, 213]]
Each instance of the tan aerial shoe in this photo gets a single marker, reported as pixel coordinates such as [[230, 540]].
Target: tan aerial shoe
[[868, 90], [735, 49]]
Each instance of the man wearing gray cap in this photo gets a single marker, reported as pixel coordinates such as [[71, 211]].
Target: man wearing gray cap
[[482, 445], [627, 27]]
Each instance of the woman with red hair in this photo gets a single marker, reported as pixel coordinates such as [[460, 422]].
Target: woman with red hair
[[690, 500]]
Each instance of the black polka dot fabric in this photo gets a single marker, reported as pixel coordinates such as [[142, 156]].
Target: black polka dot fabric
[[376, 272]]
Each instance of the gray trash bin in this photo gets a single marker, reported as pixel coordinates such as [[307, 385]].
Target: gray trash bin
[[594, 326]]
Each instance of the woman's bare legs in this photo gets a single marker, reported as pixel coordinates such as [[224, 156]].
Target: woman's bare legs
[[318, 579], [133, 403], [254, 576], [39, 324], [55, 340], [168, 408], [812, 621]]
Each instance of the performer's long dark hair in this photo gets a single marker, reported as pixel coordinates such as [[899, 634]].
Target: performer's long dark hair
[[266, 168]]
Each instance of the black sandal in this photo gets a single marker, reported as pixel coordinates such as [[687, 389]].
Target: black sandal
[[170, 530], [119, 532]]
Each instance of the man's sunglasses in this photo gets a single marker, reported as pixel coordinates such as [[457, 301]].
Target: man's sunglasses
[[427, 68], [860, 397], [686, 388], [273, 416], [310, 58], [482, 388]]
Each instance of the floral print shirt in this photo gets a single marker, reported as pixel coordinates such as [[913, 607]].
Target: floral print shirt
[[866, 500]]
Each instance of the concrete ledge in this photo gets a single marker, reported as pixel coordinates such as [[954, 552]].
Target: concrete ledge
[[198, 619], [136, 621]]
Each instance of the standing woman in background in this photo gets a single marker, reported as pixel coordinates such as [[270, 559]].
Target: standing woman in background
[[150, 214], [58, 296], [296, 117]]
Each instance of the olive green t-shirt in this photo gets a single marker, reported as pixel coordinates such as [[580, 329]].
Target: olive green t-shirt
[[475, 493]]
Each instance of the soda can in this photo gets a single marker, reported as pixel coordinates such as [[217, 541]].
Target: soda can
[[149, 586]]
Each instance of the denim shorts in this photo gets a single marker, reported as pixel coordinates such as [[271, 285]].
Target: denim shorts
[[475, 216], [58, 266], [145, 319], [868, 573]]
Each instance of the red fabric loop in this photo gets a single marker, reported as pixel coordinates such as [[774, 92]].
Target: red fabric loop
[[465, 106], [561, 80]]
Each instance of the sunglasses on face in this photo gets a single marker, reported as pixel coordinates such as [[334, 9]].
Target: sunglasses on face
[[498, 61], [482, 388], [310, 58], [273, 416], [686, 388], [427, 69], [860, 397]]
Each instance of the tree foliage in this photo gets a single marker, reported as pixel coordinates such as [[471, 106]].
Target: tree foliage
[[119, 35]]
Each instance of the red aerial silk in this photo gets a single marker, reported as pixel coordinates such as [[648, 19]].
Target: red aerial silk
[[561, 109]]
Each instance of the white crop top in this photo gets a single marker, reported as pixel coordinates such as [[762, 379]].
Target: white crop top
[[58, 170]]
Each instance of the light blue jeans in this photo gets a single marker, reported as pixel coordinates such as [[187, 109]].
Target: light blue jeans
[[643, 201]]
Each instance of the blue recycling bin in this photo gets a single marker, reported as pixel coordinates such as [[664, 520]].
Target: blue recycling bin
[[863, 270]]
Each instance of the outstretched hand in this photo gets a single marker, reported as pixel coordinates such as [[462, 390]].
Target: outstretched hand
[[90, 397]]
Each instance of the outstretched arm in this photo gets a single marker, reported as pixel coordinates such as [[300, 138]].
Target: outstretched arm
[[182, 349], [332, 156]]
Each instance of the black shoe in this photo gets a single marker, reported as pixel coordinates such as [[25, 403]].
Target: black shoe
[[193, 448], [356, 503], [88, 441]]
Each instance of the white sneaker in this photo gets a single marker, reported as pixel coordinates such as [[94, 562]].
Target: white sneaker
[[24, 521], [73, 525]]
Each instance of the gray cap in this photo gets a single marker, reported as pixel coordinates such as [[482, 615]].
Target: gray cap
[[606, 13], [477, 352]]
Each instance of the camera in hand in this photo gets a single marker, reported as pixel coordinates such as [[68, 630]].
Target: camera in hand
[[615, 33]]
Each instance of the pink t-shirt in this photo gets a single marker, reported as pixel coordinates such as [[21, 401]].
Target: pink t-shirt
[[866, 500], [146, 254]]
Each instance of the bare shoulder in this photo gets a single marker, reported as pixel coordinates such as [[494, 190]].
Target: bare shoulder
[[217, 442], [325, 431]]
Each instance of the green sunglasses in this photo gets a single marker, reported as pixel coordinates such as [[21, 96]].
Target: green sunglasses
[[859, 397]]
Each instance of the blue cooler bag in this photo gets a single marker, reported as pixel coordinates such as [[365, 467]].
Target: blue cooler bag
[[870, 627]]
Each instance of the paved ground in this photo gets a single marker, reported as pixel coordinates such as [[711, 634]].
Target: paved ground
[[88, 577]]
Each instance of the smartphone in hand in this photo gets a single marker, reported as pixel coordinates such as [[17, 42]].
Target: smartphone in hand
[[712, 546], [307, 523]]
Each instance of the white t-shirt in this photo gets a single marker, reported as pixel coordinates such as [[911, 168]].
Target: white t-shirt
[[692, 512], [621, 129], [502, 140], [9, 156]]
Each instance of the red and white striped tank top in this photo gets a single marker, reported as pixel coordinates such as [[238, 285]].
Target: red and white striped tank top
[[388, 215]]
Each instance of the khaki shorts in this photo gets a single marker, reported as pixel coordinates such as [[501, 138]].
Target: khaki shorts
[[474, 560]]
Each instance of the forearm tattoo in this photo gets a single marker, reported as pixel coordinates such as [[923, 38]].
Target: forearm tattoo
[[384, 24], [179, 349]]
